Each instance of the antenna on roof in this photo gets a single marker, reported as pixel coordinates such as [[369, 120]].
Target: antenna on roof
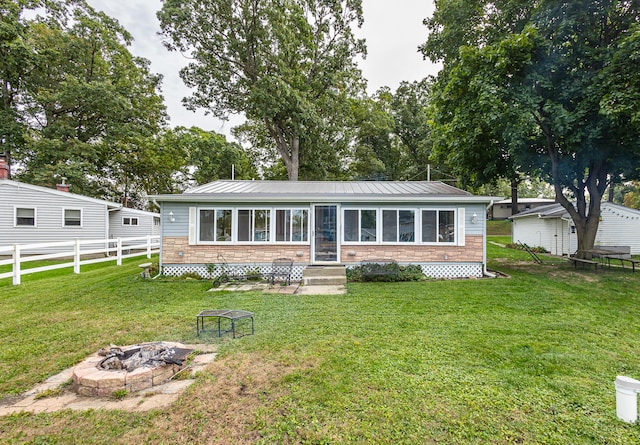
[[233, 172]]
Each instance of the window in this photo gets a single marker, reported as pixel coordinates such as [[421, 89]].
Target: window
[[254, 225], [398, 226], [72, 218], [156, 221], [126, 221], [215, 225], [25, 216], [292, 225], [438, 226], [360, 225]]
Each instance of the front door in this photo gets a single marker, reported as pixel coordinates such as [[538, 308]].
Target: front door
[[325, 234]]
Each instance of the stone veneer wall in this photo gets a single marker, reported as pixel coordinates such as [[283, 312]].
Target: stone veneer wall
[[471, 252], [248, 253]]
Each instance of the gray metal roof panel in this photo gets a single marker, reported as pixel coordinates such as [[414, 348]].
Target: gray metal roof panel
[[325, 191]]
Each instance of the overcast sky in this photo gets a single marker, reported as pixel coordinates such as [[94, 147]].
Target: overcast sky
[[392, 33]]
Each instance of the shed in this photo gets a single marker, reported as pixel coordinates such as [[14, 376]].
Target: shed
[[552, 228], [250, 223]]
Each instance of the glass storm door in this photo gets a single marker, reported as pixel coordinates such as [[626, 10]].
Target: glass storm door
[[325, 234]]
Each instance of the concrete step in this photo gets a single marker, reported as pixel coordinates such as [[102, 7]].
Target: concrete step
[[324, 275], [324, 281]]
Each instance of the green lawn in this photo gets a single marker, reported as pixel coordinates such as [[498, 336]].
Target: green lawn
[[528, 359]]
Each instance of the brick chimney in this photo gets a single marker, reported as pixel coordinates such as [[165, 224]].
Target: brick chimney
[[4, 169], [62, 187]]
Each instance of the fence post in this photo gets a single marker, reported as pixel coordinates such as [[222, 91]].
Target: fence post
[[148, 246], [119, 253], [16, 264], [76, 256]]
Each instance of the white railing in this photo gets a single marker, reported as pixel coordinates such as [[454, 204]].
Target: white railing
[[78, 252]]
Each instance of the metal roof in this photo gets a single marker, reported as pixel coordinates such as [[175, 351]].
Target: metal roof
[[327, 191], [109, 204], [549, 211]]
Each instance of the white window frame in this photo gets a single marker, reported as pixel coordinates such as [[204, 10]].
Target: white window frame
[[416, 225], [456, 227], [64, 217], [378, 225], [270, 230], [15, 216], [305, 229], [130, 218], [215, 226]]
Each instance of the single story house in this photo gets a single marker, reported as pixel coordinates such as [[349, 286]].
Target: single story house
[[551, 227], [502, 209], [32, 214], [250, 223]]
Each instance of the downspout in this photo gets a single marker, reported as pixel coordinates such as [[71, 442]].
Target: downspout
[[484, 247]]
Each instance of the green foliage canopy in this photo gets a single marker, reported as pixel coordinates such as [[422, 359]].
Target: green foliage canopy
[[288, 65], [540, 87]]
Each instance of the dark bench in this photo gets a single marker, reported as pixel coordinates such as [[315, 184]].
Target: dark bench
[[377, 268], [281, 268], [583, 262]]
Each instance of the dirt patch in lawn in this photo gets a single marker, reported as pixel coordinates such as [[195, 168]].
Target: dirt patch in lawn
[[224, 405]]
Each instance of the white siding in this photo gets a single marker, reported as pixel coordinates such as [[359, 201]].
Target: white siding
[[550, 233], [620, 226], [145, 223], [49, 216]]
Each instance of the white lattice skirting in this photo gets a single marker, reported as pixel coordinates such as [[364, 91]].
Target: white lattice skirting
[[432, 270], [234, 270]]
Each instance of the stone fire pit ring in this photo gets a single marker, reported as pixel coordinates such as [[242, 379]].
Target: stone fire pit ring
[[89, 379]]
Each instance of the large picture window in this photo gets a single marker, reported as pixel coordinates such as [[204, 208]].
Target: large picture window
[[25, 216], [438, 226], [254, 225], [215, 225], [292, 225], [360, 225], [398, 226]]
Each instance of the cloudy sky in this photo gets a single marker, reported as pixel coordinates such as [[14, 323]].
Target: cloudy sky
[[392, 35]]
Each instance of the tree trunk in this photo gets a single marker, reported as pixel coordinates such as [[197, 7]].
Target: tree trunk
[[514, 196], [288, 148]]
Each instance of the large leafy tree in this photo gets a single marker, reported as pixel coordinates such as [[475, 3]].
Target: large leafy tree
[[76, 103], [537, 76], [16, 61], [288, 65]]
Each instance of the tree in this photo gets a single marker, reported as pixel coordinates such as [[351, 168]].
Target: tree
[[16, 60], [91, 111], [208, 156], [539, 73], [409, 109], [377, 153], [288, 65]]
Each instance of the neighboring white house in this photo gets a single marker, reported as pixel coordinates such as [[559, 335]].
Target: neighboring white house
[[502, 209], [32, 214], [551, 227], [251, 223]]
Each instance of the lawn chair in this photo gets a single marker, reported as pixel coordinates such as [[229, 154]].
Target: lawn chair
[[281, 268]]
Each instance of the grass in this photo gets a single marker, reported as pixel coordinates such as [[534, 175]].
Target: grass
[[530, 359]]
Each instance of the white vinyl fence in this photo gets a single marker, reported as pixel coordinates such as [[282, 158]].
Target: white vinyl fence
[[75, 253]]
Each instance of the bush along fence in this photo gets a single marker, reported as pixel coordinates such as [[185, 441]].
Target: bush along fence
[[73, 254]]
